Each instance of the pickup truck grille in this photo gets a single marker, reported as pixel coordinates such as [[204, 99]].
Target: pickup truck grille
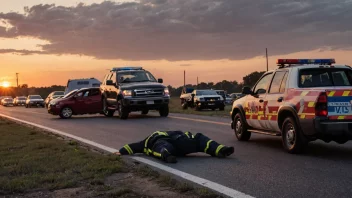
[[212, 99], [148, 92]]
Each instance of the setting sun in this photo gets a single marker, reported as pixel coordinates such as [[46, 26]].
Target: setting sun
[[5, 84]]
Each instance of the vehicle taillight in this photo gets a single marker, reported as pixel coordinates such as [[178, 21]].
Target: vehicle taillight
[[321, 107]]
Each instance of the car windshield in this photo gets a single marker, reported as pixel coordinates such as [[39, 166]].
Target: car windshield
[[8, 100], [35, 97], [21, 98], [206, 92], [59, 93], [135, 76], [325, 77], [70, 93]]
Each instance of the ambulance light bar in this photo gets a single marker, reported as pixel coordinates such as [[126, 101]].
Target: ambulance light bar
[[305, 61]]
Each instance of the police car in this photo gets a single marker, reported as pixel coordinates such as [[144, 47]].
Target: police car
[[302, 101]]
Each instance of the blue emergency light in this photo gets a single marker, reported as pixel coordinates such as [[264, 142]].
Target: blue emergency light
[[306, 61], [126, 68]]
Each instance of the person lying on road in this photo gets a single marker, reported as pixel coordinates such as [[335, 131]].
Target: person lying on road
[[166, 145]]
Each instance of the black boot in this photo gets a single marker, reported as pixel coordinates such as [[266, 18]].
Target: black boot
[[226, 151], [167, 157]]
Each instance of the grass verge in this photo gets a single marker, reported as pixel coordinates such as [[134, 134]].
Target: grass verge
[[37, 164], [175, 107]]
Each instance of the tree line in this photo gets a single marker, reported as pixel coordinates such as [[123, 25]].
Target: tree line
[[228, 86]]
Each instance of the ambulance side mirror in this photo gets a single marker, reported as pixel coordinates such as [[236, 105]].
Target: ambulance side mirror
[[247, 91]]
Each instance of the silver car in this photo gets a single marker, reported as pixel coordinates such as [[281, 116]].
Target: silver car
[[34, 100]]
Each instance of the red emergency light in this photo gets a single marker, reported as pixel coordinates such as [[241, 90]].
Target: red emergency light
[[305, 61]]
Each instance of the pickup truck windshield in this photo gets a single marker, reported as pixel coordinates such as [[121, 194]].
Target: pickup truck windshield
[[35, 97], [135, 76], [325, 77], [206, 92]]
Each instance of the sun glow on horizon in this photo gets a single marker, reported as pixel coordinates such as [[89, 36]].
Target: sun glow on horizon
[[5, 84]]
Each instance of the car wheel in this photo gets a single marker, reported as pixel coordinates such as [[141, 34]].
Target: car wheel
[[26, 105], [184, 105], [197, 108], [66, 113], [292, 137], [106, 111], [145, 112], [123, 111], [164, 111], [240, 128]]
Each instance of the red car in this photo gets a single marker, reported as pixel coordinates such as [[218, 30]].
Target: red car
[[77, 102]]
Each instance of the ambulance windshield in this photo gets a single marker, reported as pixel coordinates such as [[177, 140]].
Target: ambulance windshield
[[326, 77]]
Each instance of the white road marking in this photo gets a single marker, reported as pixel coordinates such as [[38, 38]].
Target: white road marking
[[203, 182]]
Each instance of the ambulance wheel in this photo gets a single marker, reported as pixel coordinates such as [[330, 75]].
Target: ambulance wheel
[[292, 138], [240, 128]]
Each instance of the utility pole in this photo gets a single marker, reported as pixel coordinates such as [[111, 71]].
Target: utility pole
[[267, 64], [197, 82], [184, 78], [17, 79]]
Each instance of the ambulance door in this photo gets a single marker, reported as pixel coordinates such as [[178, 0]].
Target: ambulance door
[[274, 100], [255, 103]]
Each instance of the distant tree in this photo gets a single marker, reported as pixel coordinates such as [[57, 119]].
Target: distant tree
[[252, 78], [24, 86]]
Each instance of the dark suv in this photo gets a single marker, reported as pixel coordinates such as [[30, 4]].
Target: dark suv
[[128, 89]]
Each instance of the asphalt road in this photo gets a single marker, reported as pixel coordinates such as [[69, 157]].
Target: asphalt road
[[260, 167]]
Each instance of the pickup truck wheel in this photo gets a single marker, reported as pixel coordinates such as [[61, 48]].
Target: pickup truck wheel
[[66, 113], [240, 128], [292, 137], [145, 112], [123, 111], [164, 111], [106, 111]]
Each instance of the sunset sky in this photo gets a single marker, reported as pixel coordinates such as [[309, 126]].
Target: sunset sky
[[49, 41]]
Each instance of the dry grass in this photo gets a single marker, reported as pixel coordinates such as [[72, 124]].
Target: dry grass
[[36, 164]]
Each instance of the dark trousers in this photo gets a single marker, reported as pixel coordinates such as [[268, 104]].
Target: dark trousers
[[185, 144]]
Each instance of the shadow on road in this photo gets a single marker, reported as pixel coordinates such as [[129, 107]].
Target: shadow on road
[[315, 149]]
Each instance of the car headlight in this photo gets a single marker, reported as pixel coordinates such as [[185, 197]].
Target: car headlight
[[166, 92], [201, 99], [127, 92]]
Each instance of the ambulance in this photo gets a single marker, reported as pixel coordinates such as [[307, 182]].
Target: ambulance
[[303, 100], [73, 84]]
